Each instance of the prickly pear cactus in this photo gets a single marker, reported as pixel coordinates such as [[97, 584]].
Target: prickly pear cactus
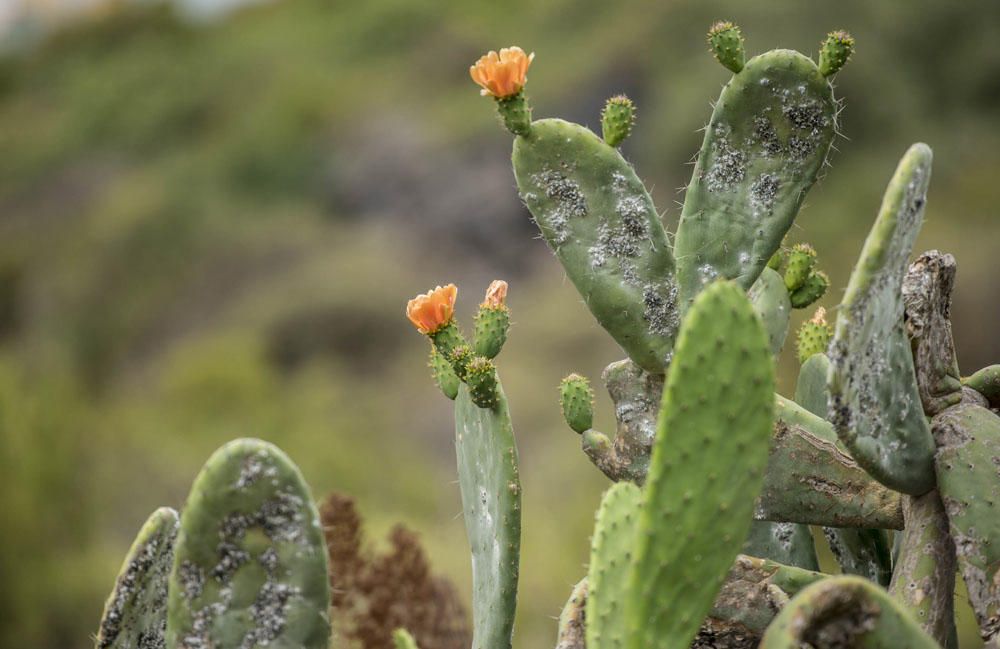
[[704, 466], [768, 137], [600, 221], [845, 611], [611, 554], [573, 619], [250, 562], [874, 403], [770, 300], [491, 504], [135, 615], [967, 471]]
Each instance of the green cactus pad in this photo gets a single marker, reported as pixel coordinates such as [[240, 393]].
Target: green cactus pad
[[987, 383], [726, 42], [768, 137], [812, 289], [835, 51], [491, 504], [810, 389], [611, 553], [402, 639], [874, 403], [770, 301], [598, 218], [481, 377], [444, 375], [490, 335], [576, 398], [250, 564], [573, 619], [811, 479], [617, 119], [862, 552], [135, 615], [708, 462], [967, 463], [787, 543], [845, 611], [801, 259], [924, 575]]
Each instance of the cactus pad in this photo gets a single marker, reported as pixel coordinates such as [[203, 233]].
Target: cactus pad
[[770, 300], [768, 137], [598, 218], [491, 503], [968, 461], [845, 611], [135, 615], [250, 563], [874, 403], [576, 398], [611, 553], [444, 376], [708, 462]]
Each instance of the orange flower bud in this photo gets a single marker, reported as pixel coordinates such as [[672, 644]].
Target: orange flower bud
[[495, 294], [432, 310], [502, 75]]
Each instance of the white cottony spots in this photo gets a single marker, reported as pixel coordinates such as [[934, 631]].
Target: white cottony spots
[[661, 310], [744, 258], [707, 273], [569, 203]]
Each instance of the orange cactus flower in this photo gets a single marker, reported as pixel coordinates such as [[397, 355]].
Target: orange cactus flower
[[432, 310], [496, 294], [502, 75]]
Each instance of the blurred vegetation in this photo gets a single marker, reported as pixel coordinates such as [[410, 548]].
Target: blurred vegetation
[[210, 231]]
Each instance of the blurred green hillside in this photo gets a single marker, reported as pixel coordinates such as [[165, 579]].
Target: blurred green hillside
[[210, 231]]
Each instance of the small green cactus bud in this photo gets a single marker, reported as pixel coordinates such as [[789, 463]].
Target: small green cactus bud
[[727, 45], [801, 259], [776, 260], [577, 401], [596, 444], [443, 374], [835, 52], [515, 112], [617, 119], [814, 336], [448, 339], [492, 321], [481, 377], [459, 359], [402, 639], [813, 289]]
